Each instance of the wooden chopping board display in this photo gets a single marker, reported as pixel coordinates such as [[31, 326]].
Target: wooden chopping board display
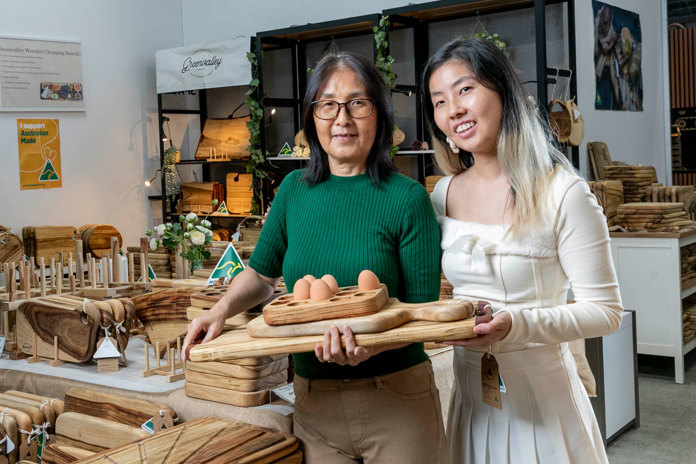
[[47, 241], [393, 314], [203, 441], [96, 239], [348, 302], [76, 329], [239, 194], [223, 138], [239, 344], [116, 408], [198, 197], [11, 247]]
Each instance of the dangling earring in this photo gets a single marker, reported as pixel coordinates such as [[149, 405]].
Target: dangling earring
[[454, 147]]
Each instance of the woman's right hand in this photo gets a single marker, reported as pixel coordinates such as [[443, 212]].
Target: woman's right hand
[[203, 329]]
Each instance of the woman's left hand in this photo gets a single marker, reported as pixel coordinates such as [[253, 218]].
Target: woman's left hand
[[490, 329], [332, 351]]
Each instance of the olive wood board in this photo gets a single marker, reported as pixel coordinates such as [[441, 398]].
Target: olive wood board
[[76, 330], [393, 314], [45, 410], [62, 454], [347, 302], [226, 396], [239, 344], [238, 371], [204, 441], [117, 408], [163, 305], [238, 320], [57, 404], [234, 384], [93, 433]]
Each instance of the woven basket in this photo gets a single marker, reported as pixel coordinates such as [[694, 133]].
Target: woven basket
[[250, 228]]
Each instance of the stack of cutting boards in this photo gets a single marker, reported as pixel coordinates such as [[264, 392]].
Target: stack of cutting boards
[[160, 260], [207, 440], [48, 241], [685, 194], [689, 318], [635, 179], [239, 194], [652, 217], [687, 260], [23, 411], [96, 239], [241, 382], [610, 195]]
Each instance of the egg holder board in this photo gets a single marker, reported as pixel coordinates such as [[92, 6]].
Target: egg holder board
[[393, 314], [207, 297], [347, 302], [238, 344]]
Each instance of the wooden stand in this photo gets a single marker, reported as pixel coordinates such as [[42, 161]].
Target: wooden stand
[[36, 358], [168, 370]]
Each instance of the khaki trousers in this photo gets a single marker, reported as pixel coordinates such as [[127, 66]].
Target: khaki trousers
[[394, 418]]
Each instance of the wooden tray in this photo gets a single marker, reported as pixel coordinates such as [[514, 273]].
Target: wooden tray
[[393, 314], [204, 441], [239, 344], [348, 302]]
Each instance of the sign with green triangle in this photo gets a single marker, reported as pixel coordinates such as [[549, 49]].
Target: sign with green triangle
[[150, 273], [227, 267], [222, 209], [49, 172], [286, 150]]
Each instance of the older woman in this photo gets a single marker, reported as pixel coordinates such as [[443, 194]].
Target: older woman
[[347, 212]]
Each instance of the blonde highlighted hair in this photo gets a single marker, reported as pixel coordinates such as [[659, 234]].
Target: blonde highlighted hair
[[526, 153]]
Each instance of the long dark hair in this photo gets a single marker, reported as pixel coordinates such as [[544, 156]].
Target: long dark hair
[[379, 163]]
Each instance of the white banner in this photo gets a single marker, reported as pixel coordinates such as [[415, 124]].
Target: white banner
[[219, 64]]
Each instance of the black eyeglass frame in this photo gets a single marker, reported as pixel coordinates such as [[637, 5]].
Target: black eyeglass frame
[[345, 105]]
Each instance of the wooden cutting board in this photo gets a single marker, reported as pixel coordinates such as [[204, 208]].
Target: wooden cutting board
[[239, 371], [164, 305], [61, 454], [393, 314], [197, 197], [239, 385], [11, 248], [347, 302], [57, 404], [226, 396], [47, 241], [96, 239], [205, 441], [9, 425], [94, 434], [34, 413], [76, 330], [46, 410], [239, 344], [117, 408], [237, 321], [239, 193]]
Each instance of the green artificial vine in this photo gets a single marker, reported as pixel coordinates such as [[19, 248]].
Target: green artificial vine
[[385, 62], [493, 38], [169, 170], [257, 160]]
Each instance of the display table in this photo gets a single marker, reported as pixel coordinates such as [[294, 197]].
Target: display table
[[649, 274]]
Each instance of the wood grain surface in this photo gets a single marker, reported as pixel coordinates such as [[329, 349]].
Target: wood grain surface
[[239, 385], [226, 396], [93, 433], [61, 454], [96, 239], [238, 371], [11, 248], [47, 241], [163, 305], [117, 408], [58, 405]]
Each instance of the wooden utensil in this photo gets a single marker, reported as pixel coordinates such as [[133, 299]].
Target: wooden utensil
[[94, 434], [117, 408], [348, 302], [393, 314], [239, 344]]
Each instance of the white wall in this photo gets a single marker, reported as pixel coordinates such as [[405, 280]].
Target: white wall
[[109, 150], [632, 137]]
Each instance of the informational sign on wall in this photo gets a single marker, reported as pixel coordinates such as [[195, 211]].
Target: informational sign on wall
[[39, 154], [40, 75], [219, 64]]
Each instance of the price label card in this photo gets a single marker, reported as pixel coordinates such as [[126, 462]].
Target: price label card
[[285, 392]]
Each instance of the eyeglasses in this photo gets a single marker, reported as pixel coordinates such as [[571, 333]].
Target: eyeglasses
[[357, 108]]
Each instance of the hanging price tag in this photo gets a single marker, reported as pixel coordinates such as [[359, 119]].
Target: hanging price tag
[[490, 381]]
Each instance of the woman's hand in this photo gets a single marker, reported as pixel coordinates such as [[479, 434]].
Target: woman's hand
[[332, 351], [203, 329], [490, 329]]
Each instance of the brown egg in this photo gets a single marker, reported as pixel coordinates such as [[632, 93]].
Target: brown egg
[[309, 278], [331, 282], [301, 290], [367, 280], [320, 291]]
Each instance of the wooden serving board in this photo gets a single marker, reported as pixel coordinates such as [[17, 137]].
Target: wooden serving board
[[57, 404], [234, 384], [11, 248], [197, 197], [163, 305], [46, 410], [347, 302], [117, 408], [61, 454], [239, 344], [35, 415], [238, 371], [47, 241], [393, 314], [94, 434], [205, 441], [237, 321], [226, 396], [96, 239], [10, 429], [76, 330]]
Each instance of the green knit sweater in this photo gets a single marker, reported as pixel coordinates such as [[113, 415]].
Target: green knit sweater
[[343, 226]]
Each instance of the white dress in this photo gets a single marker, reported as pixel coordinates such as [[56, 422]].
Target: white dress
[[546, 416]]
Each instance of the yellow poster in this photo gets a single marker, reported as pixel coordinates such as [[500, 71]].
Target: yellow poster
[[39, 154]]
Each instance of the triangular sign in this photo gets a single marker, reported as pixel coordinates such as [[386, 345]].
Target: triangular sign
[[49, 172], [286, 150], [106, 350], [150, 273], [228, 266], [222, 209]]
